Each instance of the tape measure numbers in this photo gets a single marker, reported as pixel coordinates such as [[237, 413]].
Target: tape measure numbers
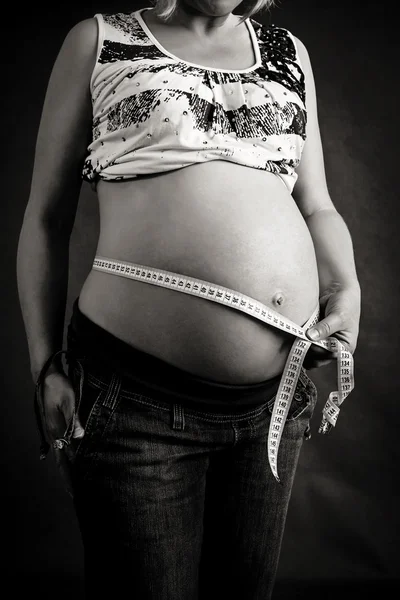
[[258, 310]]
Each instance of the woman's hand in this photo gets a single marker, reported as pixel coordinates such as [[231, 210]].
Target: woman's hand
[[340, 307], [59, 404]]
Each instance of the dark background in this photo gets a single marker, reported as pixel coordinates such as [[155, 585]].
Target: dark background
[[342, 531]]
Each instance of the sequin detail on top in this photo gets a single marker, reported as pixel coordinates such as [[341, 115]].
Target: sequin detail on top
[[153, 112]]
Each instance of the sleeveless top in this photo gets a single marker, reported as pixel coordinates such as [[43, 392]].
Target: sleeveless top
[[153, 112]]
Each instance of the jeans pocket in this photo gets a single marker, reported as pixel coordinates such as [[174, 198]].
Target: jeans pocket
[[304, 399], [98, 402]]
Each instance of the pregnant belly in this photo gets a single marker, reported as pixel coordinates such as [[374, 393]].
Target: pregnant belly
[[243, 233]]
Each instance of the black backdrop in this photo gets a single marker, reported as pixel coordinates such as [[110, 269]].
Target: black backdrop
[[342, 526]]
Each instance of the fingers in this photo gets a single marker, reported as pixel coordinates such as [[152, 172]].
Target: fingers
[[326, 327], [60, 408], [55, 423], [59, 411], [68, 408], [78, 429]]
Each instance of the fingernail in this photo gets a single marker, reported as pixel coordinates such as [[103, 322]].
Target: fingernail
[[313, 334], [78, 433]]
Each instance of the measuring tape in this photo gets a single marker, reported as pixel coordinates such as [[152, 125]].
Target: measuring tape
[[258, 310]]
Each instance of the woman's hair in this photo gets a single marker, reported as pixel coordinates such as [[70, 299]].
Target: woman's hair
[[164, 9]]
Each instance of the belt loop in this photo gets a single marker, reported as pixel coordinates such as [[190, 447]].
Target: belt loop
[[178, 417], [113, 391]]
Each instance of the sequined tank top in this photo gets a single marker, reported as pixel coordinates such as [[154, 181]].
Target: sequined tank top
[[153, 112]]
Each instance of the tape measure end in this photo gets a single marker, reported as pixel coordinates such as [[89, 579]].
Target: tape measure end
[[325, 427]]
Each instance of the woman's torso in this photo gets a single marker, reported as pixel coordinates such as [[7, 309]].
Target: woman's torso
[[224, 223], [219, 221]]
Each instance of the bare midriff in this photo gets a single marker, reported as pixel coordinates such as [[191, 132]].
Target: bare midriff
[[218, 221]]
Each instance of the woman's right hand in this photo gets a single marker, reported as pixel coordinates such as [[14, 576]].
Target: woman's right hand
[[59, 406]]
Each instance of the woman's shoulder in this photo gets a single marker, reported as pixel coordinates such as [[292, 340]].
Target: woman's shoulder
[[76, 58], [82, 37], [88, 36], [120, 26], [84, 30]]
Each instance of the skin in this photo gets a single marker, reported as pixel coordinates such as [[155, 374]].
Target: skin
[[208, 29], [205, 19], [43, 247]]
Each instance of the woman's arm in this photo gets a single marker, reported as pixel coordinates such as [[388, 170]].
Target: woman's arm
[[43, 249], [339, 287]]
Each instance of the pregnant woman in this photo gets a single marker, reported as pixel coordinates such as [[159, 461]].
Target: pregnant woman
[[198, 129]]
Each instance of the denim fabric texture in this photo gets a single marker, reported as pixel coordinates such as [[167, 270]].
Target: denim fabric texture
[[176, 502]]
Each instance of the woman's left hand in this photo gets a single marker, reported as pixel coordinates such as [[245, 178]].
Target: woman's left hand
[[340, 308]]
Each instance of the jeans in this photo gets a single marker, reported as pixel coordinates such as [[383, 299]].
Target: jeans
[[176, 502]]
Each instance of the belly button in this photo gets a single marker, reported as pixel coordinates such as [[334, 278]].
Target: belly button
[[278, 299]]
